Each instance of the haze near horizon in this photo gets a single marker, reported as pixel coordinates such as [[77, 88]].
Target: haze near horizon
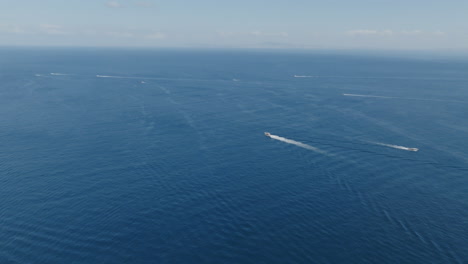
[[362, 24]]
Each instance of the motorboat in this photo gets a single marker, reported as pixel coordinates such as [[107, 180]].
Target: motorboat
[[413, 149], [267, 134]]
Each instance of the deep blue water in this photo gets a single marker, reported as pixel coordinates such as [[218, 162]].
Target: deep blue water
[[166, 162]]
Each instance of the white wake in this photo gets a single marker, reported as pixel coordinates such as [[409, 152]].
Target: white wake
[[404, 98], [297, 143], [110, 76], [395, 146], [58, 74], [363, 95]]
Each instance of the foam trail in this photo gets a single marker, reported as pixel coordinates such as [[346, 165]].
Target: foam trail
[[303, 76], [124, 77], [58, 74], [161, 78], [297, 143], [391, 97], [109, 76], [133, 77], [394, 77], [395, 146], [363, 95]]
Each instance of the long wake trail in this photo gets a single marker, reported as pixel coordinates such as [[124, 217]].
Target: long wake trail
[[299, 144], [374, 96], [58, 74], [403, 98], [304, 76], [395, 146]]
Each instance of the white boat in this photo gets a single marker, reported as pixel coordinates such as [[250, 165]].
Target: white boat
[[267, 134], [413, 149]]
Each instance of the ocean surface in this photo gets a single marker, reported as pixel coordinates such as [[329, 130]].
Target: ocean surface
[[159, 156]]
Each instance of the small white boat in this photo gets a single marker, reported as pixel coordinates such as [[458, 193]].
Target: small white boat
[[267, 134], [413, 149]]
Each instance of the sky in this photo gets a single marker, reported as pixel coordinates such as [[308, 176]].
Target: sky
[[293, 24]]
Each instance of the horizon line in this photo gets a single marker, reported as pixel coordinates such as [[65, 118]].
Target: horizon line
[[358, 49]]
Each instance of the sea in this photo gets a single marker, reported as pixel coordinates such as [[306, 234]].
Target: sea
[[159, 156]]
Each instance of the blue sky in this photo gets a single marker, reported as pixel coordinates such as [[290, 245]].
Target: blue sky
[[332, 24]]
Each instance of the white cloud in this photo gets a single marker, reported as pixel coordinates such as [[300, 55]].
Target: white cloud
[[89, 32], [439, 33], [225, 33], [120, 34], [252, 33], [135, 35], [411, 32], [12, 29], [265, 34], [113, 4], [156, 35], [52, 29], [370, 32], [47, 29], [144, 4]]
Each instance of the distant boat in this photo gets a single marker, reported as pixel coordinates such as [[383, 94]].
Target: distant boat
[[412, 149], [267, 134]]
